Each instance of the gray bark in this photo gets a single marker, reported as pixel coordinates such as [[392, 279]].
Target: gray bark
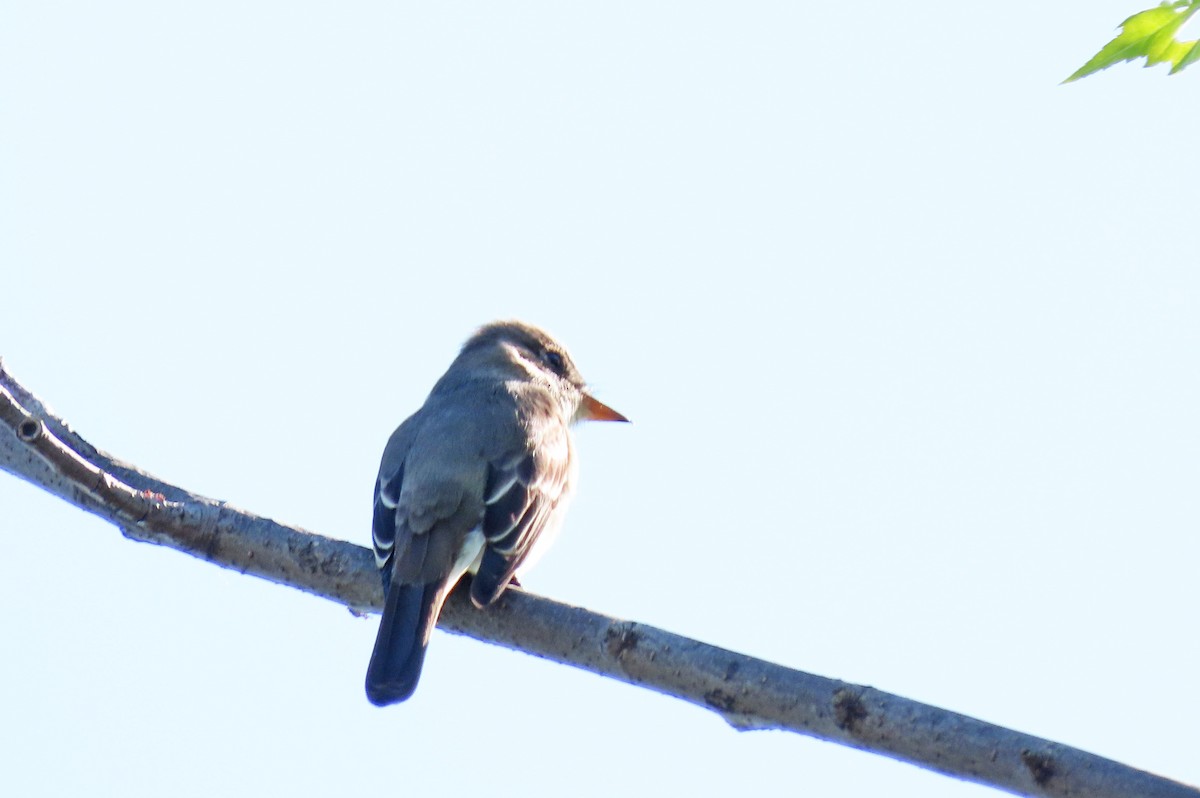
[[748, 693]]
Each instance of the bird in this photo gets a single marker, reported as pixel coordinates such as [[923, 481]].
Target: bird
[[476, 481]]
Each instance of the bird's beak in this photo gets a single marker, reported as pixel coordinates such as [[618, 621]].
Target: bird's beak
[[592, 409]]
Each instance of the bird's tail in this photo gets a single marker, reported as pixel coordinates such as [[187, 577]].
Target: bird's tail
[[409, 615]]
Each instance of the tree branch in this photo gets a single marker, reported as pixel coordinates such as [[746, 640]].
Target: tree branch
[[748, 693]]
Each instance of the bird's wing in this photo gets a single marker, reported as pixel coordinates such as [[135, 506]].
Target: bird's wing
[[428, 501], [428, 498], [525, 488], [387, 496]]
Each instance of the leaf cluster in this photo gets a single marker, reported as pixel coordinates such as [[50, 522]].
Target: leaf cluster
[[1150, 34]]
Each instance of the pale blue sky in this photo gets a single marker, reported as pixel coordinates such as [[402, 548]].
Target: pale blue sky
[[907, 330]]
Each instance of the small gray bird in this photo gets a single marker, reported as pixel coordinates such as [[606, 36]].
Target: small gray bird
[[474, 481]]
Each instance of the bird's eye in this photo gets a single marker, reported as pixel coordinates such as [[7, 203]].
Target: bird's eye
[[555, 361]]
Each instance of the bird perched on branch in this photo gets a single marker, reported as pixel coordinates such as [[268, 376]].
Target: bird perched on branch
[[475, 481]]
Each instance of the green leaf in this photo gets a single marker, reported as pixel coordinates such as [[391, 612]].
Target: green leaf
[[1150, 34]]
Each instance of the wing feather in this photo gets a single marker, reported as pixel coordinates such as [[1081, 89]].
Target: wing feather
[[537, 484]]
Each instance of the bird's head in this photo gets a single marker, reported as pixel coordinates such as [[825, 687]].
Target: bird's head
[[515, 350]]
